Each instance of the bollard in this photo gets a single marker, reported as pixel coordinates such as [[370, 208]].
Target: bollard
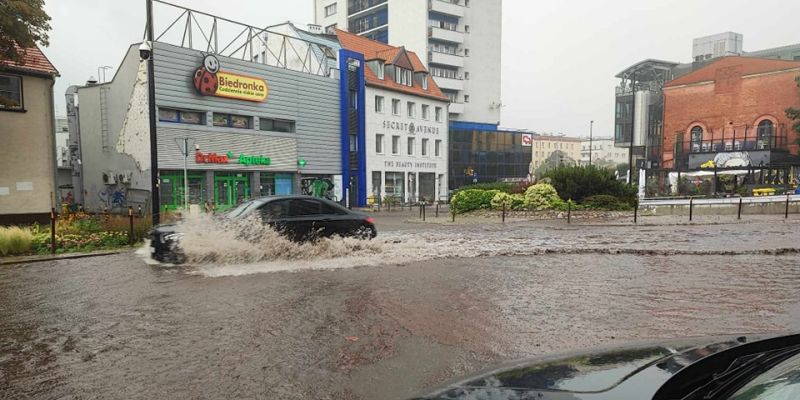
[[53, 230], [504, 212], [424, 212], [437, 209], [569, 211], [453, 213], [786, 214], [636, 211], [691, 207], [130, 225], [739, 213], [420, 210]]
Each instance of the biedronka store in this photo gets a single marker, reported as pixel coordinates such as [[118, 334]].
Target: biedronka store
[[252, 130]]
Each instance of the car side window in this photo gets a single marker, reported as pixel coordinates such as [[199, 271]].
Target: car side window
[[275, 210], [328, 209], [305, 207]]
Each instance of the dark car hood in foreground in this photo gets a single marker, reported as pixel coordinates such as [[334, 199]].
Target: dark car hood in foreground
[[620, 373]]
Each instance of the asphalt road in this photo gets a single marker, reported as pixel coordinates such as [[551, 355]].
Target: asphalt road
[[385, 320]]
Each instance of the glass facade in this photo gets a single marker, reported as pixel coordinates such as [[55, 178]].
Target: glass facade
[[486, 156]]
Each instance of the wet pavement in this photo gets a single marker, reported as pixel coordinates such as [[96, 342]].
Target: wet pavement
[[422, 304]]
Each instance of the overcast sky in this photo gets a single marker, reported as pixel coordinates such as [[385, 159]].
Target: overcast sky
[[559, 57]]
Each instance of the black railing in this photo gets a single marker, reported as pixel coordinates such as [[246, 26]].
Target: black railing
[[355, 6], [745, 139]]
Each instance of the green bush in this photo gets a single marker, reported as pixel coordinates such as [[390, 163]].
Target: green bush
[[15, 240], [580, 182], [472, 199], [542, 196], [605, 202], [512, 201], [499, 186]]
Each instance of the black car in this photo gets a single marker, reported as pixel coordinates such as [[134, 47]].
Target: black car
[[299, 218], [731, 368]]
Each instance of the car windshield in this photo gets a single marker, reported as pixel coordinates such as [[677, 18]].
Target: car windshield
[[781, 382], [243, 209]]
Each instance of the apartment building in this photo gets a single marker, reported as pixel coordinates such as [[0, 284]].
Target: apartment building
[[558, 149], [459, 41], [603, 152]]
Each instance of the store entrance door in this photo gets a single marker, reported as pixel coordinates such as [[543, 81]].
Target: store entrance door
[[230, 190], [427, 187]]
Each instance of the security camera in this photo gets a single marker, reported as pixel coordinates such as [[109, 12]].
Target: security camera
[[145, 51]]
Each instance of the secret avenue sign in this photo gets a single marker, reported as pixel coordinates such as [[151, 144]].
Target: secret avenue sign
[[410, 127]]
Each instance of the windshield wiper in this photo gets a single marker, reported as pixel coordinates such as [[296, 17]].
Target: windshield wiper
[[739, 372]]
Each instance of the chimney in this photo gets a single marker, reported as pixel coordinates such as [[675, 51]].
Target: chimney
[[314, 28]]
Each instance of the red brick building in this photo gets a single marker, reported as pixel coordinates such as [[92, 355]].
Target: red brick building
[[733, 105]]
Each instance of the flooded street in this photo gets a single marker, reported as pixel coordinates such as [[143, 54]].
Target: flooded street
[[420, 305]]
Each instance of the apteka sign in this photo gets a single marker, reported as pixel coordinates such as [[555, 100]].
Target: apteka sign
[[209, 80]]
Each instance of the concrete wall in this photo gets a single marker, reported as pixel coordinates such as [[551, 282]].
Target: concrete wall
[[740, 100], [27, 154], [408, 26], [778, 208], [340, 18], [485, 20]]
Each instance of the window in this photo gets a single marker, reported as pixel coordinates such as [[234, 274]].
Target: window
[[396, 145], [275, 210], [379, 104], [380, 70], [276, 125], [232, 121], [466, 75], [377, 181], [466, 28], [424, 82], [437, 148], [330, 28], [353, 99], [379, 143], [10, 92], [304, 207], [394, 184], [353, 143], [330, 10], [696, 138], [412, 109], [426, 114], [395, 107], [402, 76], [466, 52], [444, 72], [466, 98], [411, 146], [438, 112], [180, 116], [424, 144]]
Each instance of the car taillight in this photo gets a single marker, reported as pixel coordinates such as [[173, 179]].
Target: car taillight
[[370, 220]]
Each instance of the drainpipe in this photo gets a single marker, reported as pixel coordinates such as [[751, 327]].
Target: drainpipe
[[52, 144]]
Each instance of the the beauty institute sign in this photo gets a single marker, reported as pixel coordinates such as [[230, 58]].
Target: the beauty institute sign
[[209, 80]]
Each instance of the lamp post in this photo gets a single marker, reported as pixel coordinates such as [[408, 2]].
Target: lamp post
[[591, 126], [633, 128], [151, 101]]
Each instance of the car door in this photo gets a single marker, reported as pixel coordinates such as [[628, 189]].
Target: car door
[[276, 214], [303, 217], [334, 219]]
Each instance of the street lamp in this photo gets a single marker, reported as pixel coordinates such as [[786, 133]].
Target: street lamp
[[591, 126]]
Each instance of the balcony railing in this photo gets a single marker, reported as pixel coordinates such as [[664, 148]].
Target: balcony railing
[[445, 58], [445, 35], [355, 6], [747, 139], [449, 83], [447, 7]]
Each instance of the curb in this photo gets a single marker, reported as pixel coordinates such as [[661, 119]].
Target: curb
[[57, 257]]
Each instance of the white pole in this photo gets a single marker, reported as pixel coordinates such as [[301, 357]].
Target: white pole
[[185, 174]]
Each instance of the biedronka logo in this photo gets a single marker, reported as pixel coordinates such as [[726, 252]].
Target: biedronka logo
[[210, 81]]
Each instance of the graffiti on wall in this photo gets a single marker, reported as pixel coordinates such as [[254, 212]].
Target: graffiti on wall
[[120, 197], [318, 187]]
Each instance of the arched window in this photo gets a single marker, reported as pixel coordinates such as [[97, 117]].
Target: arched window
[[696, 138], [766, 129]]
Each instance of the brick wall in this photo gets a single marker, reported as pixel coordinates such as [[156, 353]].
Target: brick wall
[[731, 102]]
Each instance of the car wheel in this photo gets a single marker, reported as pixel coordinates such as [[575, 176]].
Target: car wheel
[[365, 232]]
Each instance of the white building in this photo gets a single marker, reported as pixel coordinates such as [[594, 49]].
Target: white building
[[604, 153], [459, 40], [62, 142], [406, 123], [715, 46]]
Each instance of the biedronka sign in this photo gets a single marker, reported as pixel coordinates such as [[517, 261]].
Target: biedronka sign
[[209, 80]]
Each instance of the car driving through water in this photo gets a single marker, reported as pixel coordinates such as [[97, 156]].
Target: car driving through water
[[299, 218], [729, 368]]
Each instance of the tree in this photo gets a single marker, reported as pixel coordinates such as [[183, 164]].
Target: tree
[[794, 114], [23, 23]]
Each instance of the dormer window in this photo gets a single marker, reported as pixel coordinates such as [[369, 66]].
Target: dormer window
[[402, 76], [380, 70], [425, 82]]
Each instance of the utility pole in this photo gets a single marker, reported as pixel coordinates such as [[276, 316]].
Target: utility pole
[[633, 128], [151, 100], [591, 126]]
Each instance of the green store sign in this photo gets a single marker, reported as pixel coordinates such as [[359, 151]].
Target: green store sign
[[245, 159]]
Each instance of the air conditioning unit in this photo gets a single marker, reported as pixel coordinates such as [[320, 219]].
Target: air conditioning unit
[[125, 177], [109, 178]]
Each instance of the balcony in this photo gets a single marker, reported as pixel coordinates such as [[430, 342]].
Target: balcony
[[456, 108], [445, 58], [446, 7], [445, 35], [449, 83]]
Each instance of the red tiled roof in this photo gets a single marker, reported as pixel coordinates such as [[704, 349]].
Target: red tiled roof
[[33, 61], [749, 66], [373, 50]]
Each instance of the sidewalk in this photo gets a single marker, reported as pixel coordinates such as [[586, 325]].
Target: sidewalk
[[54, 257]]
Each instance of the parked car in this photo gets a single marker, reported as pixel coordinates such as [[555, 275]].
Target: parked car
[[732, 368], [299, 218]]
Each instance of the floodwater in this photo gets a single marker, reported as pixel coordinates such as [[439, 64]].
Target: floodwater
[[386, 319]]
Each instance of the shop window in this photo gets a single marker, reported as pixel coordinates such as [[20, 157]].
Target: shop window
[[424, 151], [181, 116], [233, 121], [393, 184], [10, 92], [267, 184], [376, 183], [276, 125]]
